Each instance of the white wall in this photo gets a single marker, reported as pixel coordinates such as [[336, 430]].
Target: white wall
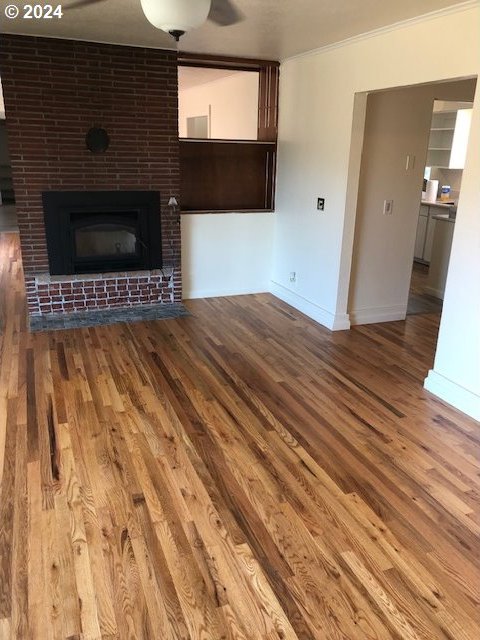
[[397, 125], [456, 373], [226, 254], [232, 103], [317, 94]]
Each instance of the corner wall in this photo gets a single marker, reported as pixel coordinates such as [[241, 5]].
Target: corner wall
[[317, 93]]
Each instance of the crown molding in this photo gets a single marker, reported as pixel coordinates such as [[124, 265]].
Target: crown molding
[[402, 24]]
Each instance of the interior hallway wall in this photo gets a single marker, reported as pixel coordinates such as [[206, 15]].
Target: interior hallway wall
[[397, 125], [317, 94]]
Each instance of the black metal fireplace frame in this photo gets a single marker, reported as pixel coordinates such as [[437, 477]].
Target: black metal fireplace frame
[[60, 206]]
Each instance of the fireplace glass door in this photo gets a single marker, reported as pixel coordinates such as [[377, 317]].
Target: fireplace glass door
[[108, 239]]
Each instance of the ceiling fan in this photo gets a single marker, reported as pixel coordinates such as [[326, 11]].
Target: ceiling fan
[[178, 16]]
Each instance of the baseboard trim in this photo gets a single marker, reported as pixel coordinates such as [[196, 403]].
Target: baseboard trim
[[220, 293], [378, 314], [334, 322], [436, 293], [454, 394]]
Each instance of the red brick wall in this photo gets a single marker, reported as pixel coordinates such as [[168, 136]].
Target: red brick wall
[[54, 91]]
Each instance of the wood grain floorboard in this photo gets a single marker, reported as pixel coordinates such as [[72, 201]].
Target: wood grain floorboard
[[238, 474]]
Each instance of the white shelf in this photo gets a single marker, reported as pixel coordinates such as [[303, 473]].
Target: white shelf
[[448, 136]]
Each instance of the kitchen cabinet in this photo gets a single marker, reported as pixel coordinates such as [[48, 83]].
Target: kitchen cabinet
[[427, 250], [420, 238], [425, 233]]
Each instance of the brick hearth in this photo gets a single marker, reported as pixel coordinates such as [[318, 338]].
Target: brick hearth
[[54, 91], [50, 294]]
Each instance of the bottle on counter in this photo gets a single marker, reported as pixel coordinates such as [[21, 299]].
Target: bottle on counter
[[445, 192]]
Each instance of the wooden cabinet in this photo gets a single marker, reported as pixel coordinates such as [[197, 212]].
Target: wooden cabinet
[[222, 175]]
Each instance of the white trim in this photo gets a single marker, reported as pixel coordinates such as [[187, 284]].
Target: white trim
[[453, 394], [334, 322], [378, 314], [341, 322], [402, 24], [220, 293]]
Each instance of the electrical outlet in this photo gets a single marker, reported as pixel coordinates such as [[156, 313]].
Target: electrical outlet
[[388, 207], [321, 204], [293, 276]]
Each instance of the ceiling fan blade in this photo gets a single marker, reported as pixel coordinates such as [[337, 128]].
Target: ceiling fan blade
[[224, 13], [77, 4]]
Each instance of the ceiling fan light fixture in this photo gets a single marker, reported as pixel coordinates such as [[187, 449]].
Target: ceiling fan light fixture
[[176, 16]]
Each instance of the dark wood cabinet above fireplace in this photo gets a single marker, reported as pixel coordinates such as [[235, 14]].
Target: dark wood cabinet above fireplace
[[102, 231]]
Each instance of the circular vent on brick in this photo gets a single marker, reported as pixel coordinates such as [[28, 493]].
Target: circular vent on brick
[[97, 140]]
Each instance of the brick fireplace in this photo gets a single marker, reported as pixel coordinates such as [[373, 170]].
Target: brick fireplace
[[55, 91]]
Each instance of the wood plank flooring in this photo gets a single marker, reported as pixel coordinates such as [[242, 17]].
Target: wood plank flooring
[[238, 474]]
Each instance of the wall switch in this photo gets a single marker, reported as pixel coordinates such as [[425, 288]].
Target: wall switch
[[410, 162], [293, 276], [387, 207], [321, 204]]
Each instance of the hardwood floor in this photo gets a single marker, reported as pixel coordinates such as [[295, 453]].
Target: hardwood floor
[[418, 300], [242, 473]]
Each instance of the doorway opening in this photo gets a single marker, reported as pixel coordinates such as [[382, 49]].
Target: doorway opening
[[397, 147], [446, 153]]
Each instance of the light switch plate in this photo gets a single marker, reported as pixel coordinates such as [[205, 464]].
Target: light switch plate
[[388, 207]]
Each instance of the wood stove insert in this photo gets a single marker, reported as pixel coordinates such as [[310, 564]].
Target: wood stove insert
[[102, 231]]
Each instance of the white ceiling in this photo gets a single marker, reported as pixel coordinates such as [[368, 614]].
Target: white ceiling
[[273, 29]]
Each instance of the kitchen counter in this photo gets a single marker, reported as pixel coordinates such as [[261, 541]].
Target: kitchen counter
[[439, 204]]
